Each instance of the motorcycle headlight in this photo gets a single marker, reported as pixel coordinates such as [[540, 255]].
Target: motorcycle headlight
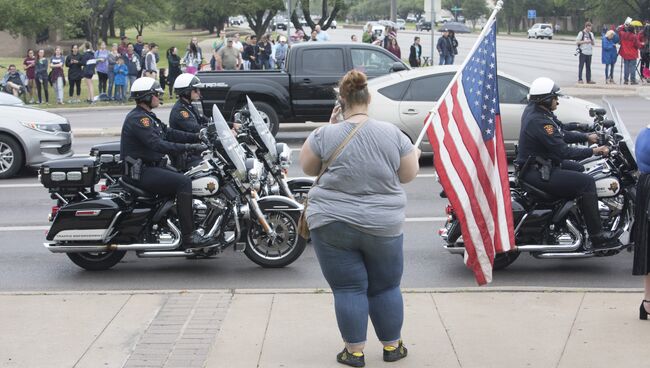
[[47, 127], [284, 156], [255, 172]]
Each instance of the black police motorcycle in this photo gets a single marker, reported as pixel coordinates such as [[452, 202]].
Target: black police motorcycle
[[552, 228], [96, 229], [275, 157]]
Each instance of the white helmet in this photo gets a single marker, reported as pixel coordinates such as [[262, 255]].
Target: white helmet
[[185, 83], [144, 88], [542, 90]]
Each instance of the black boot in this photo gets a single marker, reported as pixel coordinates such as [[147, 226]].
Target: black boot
[[191, 238], [599, 237]]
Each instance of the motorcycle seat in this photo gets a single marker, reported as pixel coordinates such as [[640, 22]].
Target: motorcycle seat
[[536, 192], [137, 192]]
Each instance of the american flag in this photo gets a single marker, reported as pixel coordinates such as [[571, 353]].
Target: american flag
[[469, 157]]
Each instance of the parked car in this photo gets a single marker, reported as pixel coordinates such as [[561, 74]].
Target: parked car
[[237, 21], [9, 99], [401, 24], [279, 23], [541, 30], [423, 25], [377, 29], [411, 18], [333, 24], [29, 137], [405, 99], [304, 90]]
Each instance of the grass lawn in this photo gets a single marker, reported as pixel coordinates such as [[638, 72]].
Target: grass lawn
[[160, 34]]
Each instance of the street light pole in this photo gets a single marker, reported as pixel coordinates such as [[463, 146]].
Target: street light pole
[[289, 22], [433, 29], [393, 10]]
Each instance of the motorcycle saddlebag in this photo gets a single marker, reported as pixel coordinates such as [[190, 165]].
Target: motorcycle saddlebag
[[89, 220], [76, 172], [108, 155]]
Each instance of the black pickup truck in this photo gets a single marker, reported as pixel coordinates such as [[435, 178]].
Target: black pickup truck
[[304, 90]]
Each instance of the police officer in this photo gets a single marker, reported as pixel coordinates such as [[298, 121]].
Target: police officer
[[546, 160], [185, 117], [145, 140]]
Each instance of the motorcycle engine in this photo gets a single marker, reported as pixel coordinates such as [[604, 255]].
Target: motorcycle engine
[[200, 210], [610, 208]]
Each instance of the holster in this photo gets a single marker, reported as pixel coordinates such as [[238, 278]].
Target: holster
[[133, 168], [544, 167]]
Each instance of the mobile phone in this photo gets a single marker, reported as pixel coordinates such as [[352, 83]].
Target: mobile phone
[[339, 117]]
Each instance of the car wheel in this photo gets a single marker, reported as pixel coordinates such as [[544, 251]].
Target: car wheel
[[550, 37], [11, 157]]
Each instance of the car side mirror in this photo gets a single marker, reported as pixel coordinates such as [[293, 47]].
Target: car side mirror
[[397, 67]]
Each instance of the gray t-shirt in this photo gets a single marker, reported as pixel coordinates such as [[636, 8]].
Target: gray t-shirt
[[586, 48], [361, 187]]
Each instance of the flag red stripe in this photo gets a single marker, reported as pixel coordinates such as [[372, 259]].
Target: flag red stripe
[[502, 164], [466, 180], [473, 150], [455, 203]]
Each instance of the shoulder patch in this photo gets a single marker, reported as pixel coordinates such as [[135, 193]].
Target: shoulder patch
[[145, 122], [549, 128], [185, 114]]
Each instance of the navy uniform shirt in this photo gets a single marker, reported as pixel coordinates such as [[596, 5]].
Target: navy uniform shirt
[[542, 136], [183, 117], [145, 137]]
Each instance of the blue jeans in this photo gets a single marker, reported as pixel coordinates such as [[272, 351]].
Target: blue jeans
[[111, 82], [132, 79], [446, 59], [609, 71], [629, 70], [364, 272], [119, 93]]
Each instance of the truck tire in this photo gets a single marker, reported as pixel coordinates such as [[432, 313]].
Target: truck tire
[[11, 157], [270, 116]]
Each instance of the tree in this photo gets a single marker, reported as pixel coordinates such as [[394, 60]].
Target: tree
[[99, 12], [474, 9], [32, 17], [328, 12], [404, 7], [210, 15], [260, 13], [141, 13]]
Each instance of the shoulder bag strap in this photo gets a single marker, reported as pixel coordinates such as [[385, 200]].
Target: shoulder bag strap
[[339, 149]]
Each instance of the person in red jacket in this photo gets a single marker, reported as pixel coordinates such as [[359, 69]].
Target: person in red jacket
[[629, 52]]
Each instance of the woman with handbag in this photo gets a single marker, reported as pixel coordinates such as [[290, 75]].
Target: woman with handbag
[[355, 213]]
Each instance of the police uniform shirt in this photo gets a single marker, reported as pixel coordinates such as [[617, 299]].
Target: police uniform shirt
[[542, 136], [145, 137], [183, 117]]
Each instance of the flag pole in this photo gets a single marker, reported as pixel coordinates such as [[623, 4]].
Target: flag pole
[[434, 110]]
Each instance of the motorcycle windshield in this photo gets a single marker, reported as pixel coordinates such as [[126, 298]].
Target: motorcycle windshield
[[230, 145], [627, 144], [262, 130]]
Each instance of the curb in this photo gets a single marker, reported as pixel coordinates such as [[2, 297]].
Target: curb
[[472, 289]]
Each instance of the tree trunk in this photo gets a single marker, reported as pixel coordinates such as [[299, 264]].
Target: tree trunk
[[111, 26], [122, 32]]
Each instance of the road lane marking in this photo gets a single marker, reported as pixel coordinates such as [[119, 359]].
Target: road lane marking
[[20, 185], [47, 227]]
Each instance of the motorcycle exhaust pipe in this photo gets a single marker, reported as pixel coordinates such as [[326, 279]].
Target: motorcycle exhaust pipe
[[52, 247], [563, 255], [154, 254], [556, 248]]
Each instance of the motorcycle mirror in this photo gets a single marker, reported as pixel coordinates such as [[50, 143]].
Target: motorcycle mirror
[[608, 123], [597, 112]]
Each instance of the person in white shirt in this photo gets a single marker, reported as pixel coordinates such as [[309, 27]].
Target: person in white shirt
[[150, 66], [321, 35]]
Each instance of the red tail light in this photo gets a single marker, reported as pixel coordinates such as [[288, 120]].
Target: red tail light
[[103, 187], [55, 210], [449, 209]]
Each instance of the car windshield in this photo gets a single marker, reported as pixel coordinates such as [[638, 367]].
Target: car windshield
[[230, 145]]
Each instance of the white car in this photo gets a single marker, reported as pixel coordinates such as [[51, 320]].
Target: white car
[[29, 137], [541, 30], [401, 24], [405, 98], [9, 99]]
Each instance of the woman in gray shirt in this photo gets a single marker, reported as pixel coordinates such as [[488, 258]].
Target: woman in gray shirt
[[355, 215]]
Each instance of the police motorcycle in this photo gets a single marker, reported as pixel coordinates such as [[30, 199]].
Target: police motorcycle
[[275, 157], [96, 230], [552, 228]]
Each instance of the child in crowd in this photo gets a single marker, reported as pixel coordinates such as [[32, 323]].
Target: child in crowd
[[120, 71]]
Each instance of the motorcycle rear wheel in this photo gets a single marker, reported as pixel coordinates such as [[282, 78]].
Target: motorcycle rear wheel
[[97, 261], [501, 260], [284, 250]]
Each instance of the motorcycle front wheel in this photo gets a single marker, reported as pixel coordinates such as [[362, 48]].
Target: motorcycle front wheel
[[278, 252], [97, 261]]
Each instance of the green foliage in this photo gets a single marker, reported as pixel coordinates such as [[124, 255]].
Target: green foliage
[[474, 9], [31, 17], [206, 14], [141, 13], [260, 13], [404, 7]]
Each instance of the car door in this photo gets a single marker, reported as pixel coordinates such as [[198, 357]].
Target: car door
[[513, 98], [317, 71], [373, 62], [419, 99]]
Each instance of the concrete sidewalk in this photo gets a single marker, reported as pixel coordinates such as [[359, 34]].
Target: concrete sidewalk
[[487, 327]]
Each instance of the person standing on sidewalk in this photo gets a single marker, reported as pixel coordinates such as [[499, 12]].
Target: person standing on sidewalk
[[610, 54], [641, 263], [415, 53], [113, 55], [101, 56], [58, 76], [89, 62], [629, 52], [445, 49], [585, 42], [173, 68], [73, 62], [454, 45], [356, 223], [132, 61], [42, 79]]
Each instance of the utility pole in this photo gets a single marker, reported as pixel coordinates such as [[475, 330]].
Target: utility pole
[[393, 10], [433, 29]]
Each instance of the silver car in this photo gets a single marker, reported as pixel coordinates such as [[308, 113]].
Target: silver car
[[29, 137], [405, 98]]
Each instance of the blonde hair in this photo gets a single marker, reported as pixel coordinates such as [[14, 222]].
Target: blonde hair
[[609, 34]]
